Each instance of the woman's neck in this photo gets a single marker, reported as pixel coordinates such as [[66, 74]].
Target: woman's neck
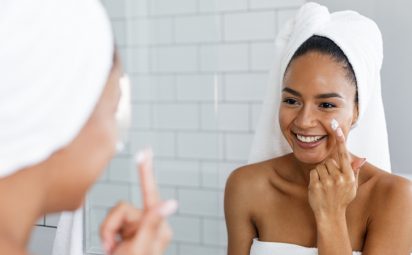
[[302, 175], [22, 200], [301, 170]]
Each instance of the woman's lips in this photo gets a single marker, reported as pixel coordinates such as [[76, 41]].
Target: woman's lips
[[308, 145]]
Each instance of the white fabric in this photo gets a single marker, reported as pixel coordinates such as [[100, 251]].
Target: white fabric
[[55, 57], [69, 234], [273, 248], [361, 41], [276, 248]]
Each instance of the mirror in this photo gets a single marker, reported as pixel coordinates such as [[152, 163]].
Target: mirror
[[199, 71]]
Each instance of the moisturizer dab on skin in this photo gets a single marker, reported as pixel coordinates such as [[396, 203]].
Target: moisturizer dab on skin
[[334, 124]]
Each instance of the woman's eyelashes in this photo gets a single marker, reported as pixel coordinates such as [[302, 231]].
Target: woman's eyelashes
[[290, 101], [327, 105], [295, 102]]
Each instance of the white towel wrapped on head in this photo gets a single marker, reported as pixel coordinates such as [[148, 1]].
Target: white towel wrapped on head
[[55, 58]]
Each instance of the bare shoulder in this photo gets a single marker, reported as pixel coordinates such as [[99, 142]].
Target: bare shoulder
[[392, 187], [245, 184], [390, 191], [256, 174], [249, 187], [389, 219]]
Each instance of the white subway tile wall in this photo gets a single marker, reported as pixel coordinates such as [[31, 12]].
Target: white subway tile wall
[[41, 240], [199, 70], [249, 26]]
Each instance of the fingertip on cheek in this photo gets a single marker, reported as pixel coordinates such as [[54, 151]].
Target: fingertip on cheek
[[339, 132], [334, 124]]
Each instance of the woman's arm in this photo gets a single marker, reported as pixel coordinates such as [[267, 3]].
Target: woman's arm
[[333, 236], [240, 228], [390, 226]]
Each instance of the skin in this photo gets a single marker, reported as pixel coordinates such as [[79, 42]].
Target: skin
[[60, 183], [341, 201]]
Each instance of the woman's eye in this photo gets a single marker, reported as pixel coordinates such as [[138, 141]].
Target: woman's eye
[[290, 101], [327, 105]]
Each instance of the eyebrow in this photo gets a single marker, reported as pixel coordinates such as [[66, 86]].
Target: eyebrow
[[320, 96]]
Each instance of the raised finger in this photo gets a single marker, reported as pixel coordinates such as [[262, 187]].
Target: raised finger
[[342, 151], [149, 189]]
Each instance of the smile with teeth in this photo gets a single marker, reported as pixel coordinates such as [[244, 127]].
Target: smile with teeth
[[309, 139]]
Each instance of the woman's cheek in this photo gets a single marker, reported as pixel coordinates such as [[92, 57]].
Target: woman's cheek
[[284, 119], [343, 119]]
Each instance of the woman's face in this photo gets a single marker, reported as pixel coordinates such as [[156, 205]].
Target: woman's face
[[315, 91]]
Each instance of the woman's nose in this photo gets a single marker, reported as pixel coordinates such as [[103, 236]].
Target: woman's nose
[[306, 118]]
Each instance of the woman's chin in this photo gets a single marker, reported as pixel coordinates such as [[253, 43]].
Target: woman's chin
[[309, 159]]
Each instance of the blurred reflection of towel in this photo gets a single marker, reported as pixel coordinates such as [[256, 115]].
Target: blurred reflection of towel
[[69, 234]]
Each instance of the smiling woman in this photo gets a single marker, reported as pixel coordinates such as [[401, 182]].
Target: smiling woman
[[312, 193], [319, 85]]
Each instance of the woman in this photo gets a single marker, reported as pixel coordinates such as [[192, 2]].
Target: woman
[[318, 197], [59, 99]]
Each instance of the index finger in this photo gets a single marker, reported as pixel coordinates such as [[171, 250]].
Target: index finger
[[147, 181], [343, 153]]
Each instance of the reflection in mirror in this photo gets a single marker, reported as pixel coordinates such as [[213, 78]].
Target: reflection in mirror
[[320, 179], [198, 74]]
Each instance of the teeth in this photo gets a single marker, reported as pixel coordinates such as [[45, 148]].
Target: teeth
[[308, 139]]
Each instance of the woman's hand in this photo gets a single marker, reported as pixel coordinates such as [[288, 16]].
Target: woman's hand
[[333, 186], [131, 231]]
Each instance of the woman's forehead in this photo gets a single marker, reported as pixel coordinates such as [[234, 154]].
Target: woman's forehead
[[317, 73]]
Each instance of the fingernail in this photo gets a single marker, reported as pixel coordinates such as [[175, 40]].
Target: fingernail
[[143, 154], [140, 156], [334, 124], [339, 132], [363, 162], [168, 208]]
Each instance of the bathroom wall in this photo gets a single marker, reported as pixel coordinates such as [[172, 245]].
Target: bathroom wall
[[41, 241], [199, 71]]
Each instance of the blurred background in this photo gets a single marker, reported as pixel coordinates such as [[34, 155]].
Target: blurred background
[[199, 70]]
